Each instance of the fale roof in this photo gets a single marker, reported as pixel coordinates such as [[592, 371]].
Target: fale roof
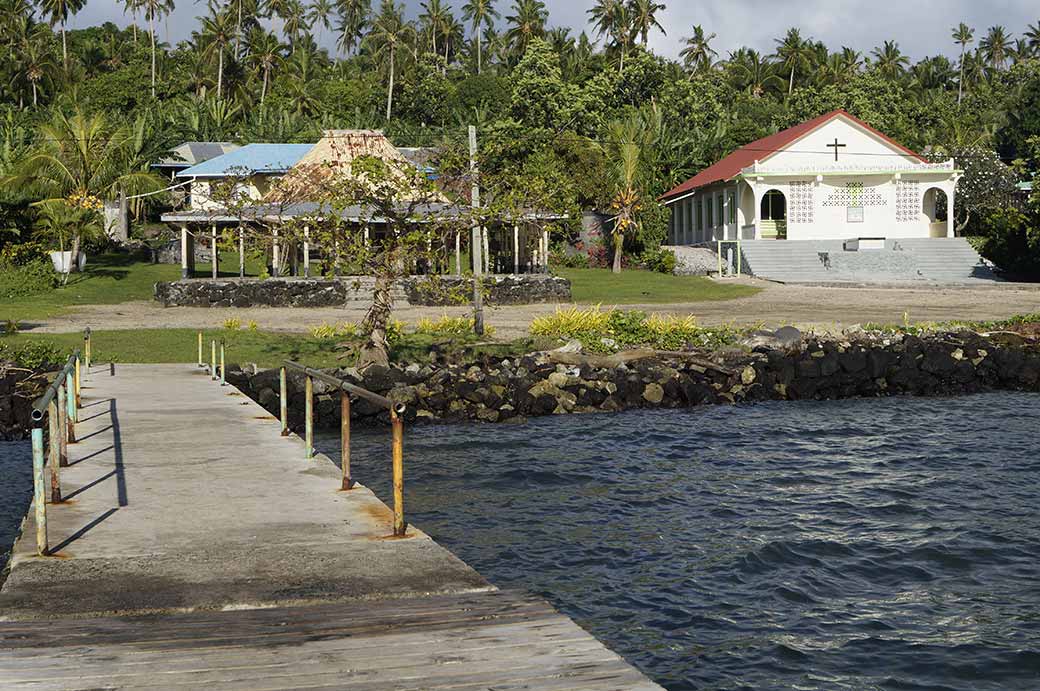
[[192, 153], [762, 149], [250, 159]]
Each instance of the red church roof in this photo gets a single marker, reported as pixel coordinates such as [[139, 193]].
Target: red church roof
[[762, 149]]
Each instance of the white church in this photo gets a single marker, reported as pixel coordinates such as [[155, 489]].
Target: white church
[[831, 178]]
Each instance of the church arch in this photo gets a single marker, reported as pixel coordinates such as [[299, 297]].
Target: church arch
[[773, 215], [933, 204]]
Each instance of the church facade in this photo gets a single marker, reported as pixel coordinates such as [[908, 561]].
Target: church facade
[[831, 178]]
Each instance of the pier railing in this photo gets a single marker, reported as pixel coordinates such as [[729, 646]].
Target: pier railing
[[217, 371], [59, 404]]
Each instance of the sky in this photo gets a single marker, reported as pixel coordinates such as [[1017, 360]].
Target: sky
[[921, 27]]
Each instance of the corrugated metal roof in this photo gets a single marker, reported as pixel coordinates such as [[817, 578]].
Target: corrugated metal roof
[[192, 153], [250, 159], [761, 150]]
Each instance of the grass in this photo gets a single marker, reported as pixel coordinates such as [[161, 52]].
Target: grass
[[634, 287], [266, 349], [108, 279]]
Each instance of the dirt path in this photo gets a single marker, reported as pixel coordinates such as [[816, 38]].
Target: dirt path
[[804, 306]]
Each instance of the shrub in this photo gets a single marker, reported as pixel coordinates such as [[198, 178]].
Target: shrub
[[232, 324], [23, 253], [449, 326], [327, 332], [32, 354], [607, 331], [33, 278], [660, 260]]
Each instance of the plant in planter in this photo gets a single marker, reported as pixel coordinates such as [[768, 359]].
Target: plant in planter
[[65, 224]]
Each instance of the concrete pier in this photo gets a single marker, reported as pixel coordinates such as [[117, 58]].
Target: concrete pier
[[197, 546]]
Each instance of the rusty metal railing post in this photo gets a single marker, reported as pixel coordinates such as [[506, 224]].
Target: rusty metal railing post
[[70, 408], [223, 369], [39, 492], [213, 360], [54, 449], [86, 348], [309, 416], [397, 426], [202, 362], [283, 398], [63, 429], [344, 439]]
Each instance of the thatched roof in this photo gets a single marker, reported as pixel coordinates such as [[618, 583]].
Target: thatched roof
[[330, 158]]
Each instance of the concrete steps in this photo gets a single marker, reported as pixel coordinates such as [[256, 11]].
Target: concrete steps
[[927, 260]]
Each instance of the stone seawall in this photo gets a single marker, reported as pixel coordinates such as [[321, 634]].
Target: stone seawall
[[16, 398], [510, 390], [313, 292]]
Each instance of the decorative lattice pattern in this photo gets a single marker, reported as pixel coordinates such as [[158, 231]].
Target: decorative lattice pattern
[[854, 195], [800, 207], [908, 200]]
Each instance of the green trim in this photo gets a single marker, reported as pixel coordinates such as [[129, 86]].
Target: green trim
[[750, 176]]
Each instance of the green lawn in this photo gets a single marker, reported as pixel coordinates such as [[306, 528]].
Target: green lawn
[[242, 346], [108, 279], [634, 286]]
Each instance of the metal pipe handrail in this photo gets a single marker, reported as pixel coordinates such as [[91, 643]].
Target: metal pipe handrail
[[39, 406], [381, 401]]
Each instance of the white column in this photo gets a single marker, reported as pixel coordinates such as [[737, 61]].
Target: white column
[[458, 255], [307, 251], [545, 244], [184, 252], [275, 259], [241, 252], [214, 254], [487, 253], [516, 249], [951, 228]]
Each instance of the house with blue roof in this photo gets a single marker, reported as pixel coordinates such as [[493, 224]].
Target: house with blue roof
[[250, 170]]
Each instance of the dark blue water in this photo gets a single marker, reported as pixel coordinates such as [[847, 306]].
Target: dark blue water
[[873, 544]]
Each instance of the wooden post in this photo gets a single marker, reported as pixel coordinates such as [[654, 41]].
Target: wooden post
[[201, 362], [184, 253], [79, 384], [398, 467], [215, 256], [516, 248], [70, 408], [39, 492], [284, 401], [275, 259], [54, 449], [223, 368], [86, 350], [344, 439], [63, 429], [241, 252], [458, 254], [306, 251], [213, 360], [309, 416]]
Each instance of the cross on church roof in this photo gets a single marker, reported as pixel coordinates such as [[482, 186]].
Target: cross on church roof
[[835, 146]]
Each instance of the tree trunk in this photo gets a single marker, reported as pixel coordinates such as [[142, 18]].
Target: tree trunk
[[390, 90], [478, 51], [151, 32], [220, 74], [960, 83], [64, 47], [74, 261], [619, 243], [376, 351], [263, 93], [790, 83], [34, 94], [238, 33]]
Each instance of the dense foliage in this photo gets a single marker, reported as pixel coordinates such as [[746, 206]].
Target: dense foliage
[[566, 121]]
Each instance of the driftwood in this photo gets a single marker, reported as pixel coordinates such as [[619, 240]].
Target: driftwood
[[565, 357]]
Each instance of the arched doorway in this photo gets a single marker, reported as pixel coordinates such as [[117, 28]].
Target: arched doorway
[[773, 215], [933, 205]]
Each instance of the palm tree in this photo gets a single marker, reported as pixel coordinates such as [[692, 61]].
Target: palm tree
[[154, 9], [58, 12], [294, 18], [996, 47], [354, 17], [35, 62], [627, 143], [1033, 37], [132, 6], [644, 18], [389, 32], [479, 13], [890, 61], [265, 55], [794, 54], [751, 71], [623, 33], [698, 55], [526, 22], [219, 32], [432, 20], [963, 35], [320, 15], [603, 16]]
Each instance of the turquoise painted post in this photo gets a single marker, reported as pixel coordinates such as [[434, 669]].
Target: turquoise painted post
[[70, 407], [309, 417], [39, 492]]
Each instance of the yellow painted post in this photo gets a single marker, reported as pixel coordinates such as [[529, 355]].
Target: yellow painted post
[[39, 492], [283, 398], [397, 426], [213, 360], [79, 383], [201, 361], [309, 417], [54, 449], [86, 349]]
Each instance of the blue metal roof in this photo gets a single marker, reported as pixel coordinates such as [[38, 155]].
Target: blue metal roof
[[250, 159]]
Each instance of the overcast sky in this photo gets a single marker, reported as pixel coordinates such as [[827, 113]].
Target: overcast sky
[[922, 27]]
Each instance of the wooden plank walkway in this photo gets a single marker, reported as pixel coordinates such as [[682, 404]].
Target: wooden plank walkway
[[199, 549]]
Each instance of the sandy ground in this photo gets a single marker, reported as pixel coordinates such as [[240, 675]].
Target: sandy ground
[[822, 308]]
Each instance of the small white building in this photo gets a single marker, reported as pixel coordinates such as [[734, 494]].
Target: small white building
[[831, 178]]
